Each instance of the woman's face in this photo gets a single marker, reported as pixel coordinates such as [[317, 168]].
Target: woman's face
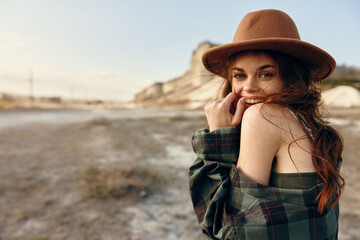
[[254, 76]]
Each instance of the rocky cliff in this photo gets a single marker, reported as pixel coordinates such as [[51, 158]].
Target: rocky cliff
[[191, 90]]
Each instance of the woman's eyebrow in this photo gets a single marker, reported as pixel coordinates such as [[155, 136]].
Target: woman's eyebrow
[[238, 69], [266, 66], [260, 68]]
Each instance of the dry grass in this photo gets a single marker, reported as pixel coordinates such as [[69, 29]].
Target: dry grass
[[119, 182]]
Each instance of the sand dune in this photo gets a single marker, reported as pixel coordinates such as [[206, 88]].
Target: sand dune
[[342, 96]]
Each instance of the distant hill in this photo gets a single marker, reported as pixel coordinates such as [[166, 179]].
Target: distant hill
[[347, 72], [197, 86], [343, 75]]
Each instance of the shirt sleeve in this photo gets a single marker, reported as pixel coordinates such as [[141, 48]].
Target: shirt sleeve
[[217, 153]]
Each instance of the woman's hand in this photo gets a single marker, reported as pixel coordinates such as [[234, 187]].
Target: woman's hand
[[225, 112]]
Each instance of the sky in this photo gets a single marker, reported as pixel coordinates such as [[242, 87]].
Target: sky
[[112, 49]]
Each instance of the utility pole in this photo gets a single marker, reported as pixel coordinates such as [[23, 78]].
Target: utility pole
[[31, 83], [71, 94], [31, 87]]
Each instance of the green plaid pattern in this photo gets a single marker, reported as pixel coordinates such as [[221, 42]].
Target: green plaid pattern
[[229, 205]]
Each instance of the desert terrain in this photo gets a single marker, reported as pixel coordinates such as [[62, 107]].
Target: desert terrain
[[120, 175], [97, 178]]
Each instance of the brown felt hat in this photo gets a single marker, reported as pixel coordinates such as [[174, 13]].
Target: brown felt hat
[[269, 30]]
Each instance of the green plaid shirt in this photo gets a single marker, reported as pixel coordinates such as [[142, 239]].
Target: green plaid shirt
[[229, 205]]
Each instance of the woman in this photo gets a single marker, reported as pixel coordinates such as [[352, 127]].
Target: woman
[[268, 167]]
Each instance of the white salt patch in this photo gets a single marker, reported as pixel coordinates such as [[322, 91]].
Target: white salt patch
[[179, 155], [157, 215]]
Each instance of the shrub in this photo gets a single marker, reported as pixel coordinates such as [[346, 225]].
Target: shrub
[[124, 181]]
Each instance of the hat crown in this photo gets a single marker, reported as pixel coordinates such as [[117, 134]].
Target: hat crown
[[266, 24]]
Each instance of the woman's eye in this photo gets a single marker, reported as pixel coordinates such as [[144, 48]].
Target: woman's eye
[[266, 75], [239, 76]]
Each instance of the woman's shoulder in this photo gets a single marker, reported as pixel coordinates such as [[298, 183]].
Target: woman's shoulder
[[272, 119], [262, 124], [264, 113], [259, 142]]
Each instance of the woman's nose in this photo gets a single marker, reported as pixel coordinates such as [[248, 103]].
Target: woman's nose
[[250, 85]]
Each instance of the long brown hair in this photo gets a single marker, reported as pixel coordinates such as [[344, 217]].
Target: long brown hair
[[302, 96]]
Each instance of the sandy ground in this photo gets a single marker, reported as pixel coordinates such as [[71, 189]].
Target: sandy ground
[[348, 123], [53, 177]]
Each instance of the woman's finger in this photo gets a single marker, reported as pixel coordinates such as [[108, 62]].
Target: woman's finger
[[228, 100], [240, 109]]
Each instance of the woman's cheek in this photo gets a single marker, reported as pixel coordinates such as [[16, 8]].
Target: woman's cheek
[[237, 88]]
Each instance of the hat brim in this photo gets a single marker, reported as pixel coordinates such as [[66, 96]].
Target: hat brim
[[215, 58]]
